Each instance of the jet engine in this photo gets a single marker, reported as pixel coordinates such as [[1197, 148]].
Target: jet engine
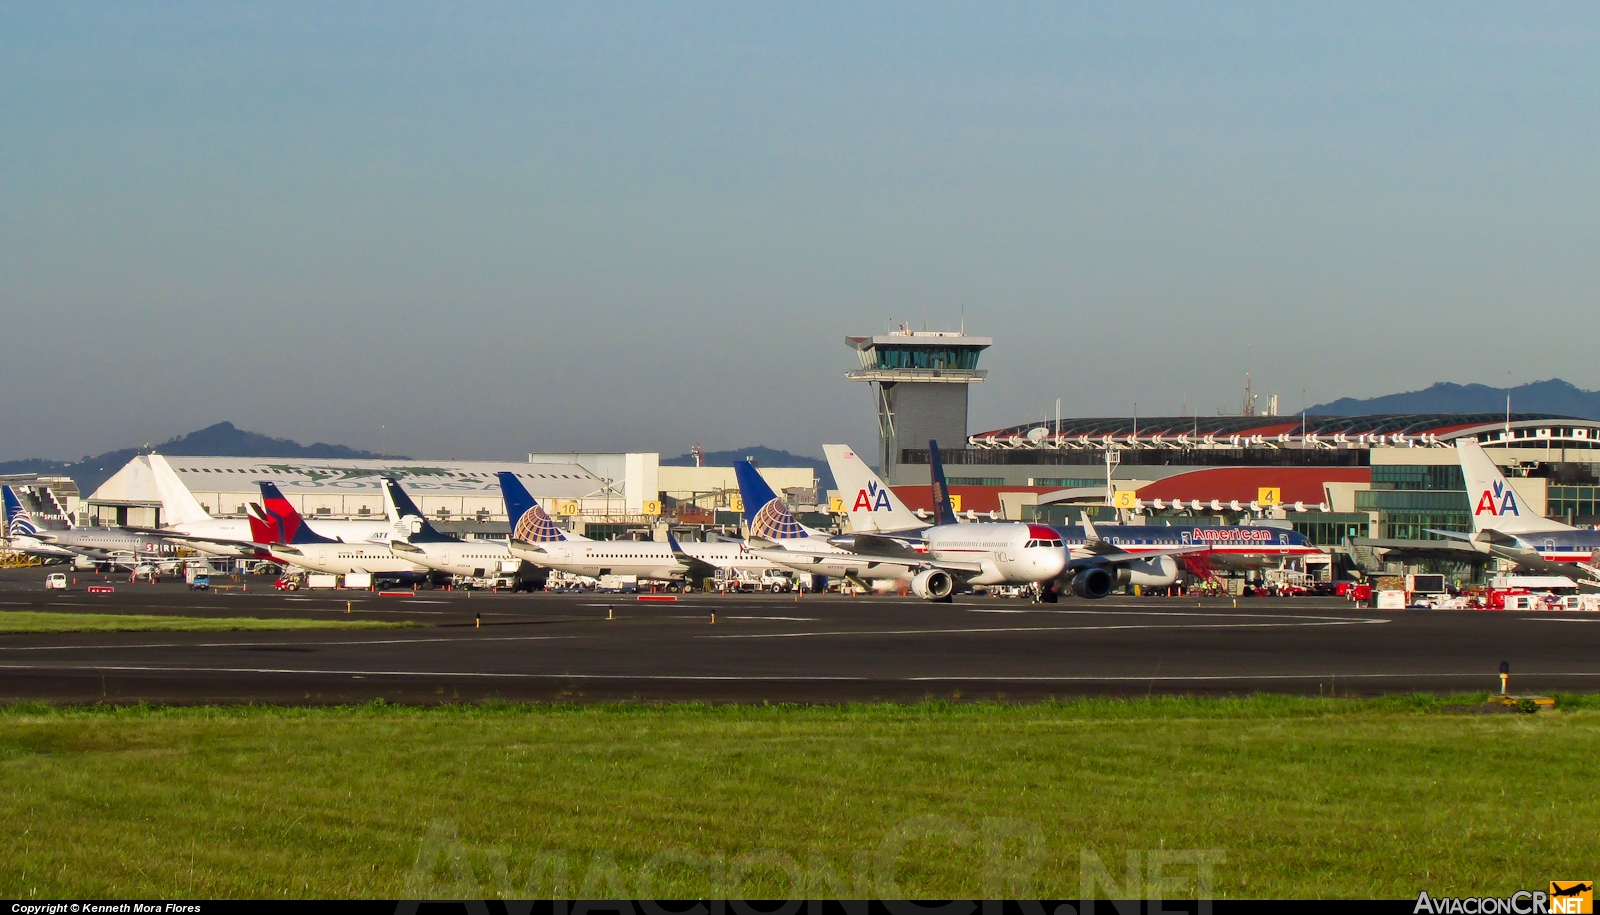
[[933, 584], [1155, 572], [1093, 583]]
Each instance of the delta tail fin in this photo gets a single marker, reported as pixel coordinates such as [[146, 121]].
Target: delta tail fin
[[870, 506], [529, 522], [1495, 505], [178, 504], [292, 528], [943, 510], [766, 517], [408, 519]]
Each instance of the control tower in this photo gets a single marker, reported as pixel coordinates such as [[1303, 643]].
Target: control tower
[[919, 380]]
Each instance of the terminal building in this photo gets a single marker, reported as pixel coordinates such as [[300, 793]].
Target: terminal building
[[1364, 487]]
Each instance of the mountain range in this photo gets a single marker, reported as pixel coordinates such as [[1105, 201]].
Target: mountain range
[[1553, 396], [220, 440]]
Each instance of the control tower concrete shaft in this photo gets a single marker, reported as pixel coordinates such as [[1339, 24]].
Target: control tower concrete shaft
[[919, 381]]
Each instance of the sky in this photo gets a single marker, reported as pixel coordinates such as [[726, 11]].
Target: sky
[[474, 230]]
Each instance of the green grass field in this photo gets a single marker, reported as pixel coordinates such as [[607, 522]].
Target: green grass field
[[43, 621], [1286, 797]]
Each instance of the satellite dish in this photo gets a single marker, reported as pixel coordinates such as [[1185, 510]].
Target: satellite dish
[[1216, 506], [1300, 507], [1255, 506], [1234, 504], [1038, 434], [1160, 505], [1324, 508], [1194, 505]]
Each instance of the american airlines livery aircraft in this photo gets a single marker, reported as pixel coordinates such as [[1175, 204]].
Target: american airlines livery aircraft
[[774, 533], [428, 546], [947, 554], [1503, 527], [537, 539]]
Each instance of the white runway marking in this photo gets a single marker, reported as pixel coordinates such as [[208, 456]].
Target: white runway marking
[[1105, 628], [789, 619], [417, 641], [777, 678]]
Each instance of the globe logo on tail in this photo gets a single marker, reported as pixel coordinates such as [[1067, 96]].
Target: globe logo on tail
[[775, 522], [536, 527]]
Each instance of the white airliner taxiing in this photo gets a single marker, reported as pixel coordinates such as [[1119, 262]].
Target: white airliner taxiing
[[946, 556], [536, 539]]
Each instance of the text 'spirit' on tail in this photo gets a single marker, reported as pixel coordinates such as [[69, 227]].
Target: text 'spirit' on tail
[[529, 523]]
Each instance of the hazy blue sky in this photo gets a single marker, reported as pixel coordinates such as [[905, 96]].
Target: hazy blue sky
[[494, 228]]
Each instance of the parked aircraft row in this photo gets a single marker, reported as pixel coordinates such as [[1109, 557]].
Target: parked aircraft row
[[886, 545]]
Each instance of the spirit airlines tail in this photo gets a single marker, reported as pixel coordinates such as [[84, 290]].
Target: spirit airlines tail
[[1504, 527], [775, 534], [537, 539], [427, 546], [884, 530]]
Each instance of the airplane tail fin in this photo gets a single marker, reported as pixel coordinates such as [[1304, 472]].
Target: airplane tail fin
[[405, 515], [178, 504], [766, 517], [943, 510], [1495, 505], [19, 521], [529, 522], [292, 527], [262, 528], [870, 505]]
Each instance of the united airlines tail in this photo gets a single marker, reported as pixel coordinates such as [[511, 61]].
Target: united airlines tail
[[1495, 506], [405, 514], [178, 504], [529, 523], [870, 505], [292, 528], [766, 517], [19, 521], [944, 511]]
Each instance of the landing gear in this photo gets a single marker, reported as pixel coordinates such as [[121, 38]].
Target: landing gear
[[1048, 593]]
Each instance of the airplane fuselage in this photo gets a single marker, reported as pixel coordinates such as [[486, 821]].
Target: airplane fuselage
[[643, 558]]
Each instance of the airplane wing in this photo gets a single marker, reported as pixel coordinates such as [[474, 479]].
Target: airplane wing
[[696, 568]]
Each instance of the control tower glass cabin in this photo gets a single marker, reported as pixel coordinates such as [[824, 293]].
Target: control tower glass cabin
[[919, 380]]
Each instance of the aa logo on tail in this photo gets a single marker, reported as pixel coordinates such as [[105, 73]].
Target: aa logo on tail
[[873, 498], [1497, 501]]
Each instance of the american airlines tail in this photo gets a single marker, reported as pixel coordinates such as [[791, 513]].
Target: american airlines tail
[[1495, 506], [766, 517], [405, 515], [178, 504], [871, 506], [529, 523]]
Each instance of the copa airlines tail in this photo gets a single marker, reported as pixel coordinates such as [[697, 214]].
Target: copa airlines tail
[[871, 506], [529, 523], [944, 510], [408, 518], [19, 521], [1495, 505]]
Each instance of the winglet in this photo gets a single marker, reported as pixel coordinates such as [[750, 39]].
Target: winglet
[[943, 510], [1089, 533]]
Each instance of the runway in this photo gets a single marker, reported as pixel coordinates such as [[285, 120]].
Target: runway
[[774, 648]]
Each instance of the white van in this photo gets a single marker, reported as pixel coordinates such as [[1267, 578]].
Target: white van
[[55, 581]]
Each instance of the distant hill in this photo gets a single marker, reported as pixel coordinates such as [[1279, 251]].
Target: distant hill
[[1553, 396], [220, 440], [763, 457]]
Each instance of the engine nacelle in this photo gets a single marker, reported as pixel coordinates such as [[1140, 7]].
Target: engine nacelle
[[1093, 583], [1155, 572], [933, 584]]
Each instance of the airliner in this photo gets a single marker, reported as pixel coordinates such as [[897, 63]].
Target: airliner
[[23, 536], [773, 533], [946, 555], [1154, 548], [294, 542], [536, 539], [427, 546], [1505, 528]]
